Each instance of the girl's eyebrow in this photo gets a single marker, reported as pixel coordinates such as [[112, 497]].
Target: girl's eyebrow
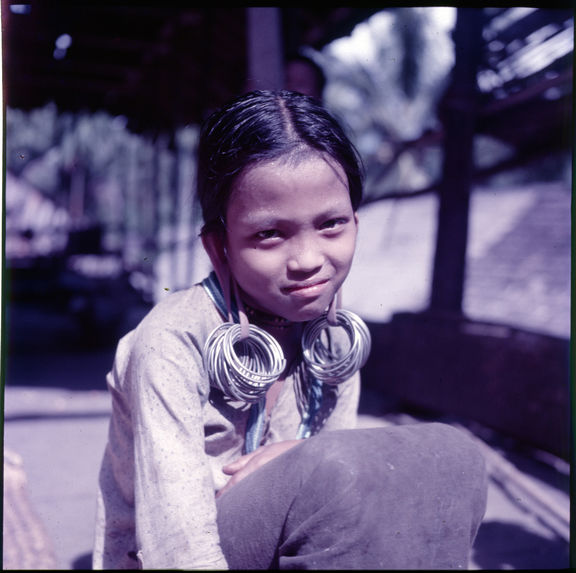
[[258, 218], [269, 220]]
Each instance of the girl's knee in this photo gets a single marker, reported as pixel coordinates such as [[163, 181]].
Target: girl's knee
[[437, 450], [459, 450], [335, 459]]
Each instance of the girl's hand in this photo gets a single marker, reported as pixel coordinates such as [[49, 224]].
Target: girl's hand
[[245, 465]]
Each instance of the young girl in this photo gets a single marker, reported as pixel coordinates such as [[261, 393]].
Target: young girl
[[232, 440]]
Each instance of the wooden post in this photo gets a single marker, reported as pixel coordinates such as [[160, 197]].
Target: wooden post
[[459, 121], [265, 53]]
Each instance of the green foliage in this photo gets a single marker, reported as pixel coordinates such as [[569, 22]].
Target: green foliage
[[384, 82]]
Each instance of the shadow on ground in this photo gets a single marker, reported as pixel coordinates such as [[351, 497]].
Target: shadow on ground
[[83, 562], [492, 548]]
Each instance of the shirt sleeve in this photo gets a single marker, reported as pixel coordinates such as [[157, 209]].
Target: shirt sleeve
[[340, 409], [164, 389], [176, 523], [340, 401]]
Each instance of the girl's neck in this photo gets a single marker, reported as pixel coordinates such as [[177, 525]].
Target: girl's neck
[[286, 332], [267, 320]]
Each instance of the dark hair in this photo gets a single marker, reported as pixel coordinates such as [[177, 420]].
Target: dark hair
[[262, 126]]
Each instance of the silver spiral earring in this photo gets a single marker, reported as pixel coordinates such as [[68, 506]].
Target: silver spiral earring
[[242, 360], [243, 368], [320, 361]]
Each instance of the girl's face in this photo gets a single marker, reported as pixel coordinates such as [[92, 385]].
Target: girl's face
[[291, 235]]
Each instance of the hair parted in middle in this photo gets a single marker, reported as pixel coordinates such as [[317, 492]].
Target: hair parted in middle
[[264, 126]]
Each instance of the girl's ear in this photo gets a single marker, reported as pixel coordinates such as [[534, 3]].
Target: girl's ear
[[213, 242]]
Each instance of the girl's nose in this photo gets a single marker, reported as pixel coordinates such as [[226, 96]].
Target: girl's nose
[[305, 257]]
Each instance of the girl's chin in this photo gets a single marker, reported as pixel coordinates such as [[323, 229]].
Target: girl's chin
[[306, 314], [294, 311]]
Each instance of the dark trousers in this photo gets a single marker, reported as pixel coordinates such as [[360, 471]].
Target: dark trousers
[[400, 497]]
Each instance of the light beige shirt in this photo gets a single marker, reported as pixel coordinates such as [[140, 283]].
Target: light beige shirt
[[170, 435]]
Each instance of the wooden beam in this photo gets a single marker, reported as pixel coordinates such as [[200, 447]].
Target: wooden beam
[[459, 119]]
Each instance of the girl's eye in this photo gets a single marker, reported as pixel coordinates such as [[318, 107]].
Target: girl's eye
[[333, 224], [267, 234]]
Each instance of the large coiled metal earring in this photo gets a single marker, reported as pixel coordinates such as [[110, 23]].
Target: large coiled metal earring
[[320, 361], [243, 368], [242, 360]]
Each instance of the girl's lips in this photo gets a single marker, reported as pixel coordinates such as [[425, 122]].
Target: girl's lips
[[310, 289]]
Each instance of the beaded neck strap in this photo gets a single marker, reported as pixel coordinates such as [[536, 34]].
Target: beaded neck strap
[[265, 319], [214, 290]]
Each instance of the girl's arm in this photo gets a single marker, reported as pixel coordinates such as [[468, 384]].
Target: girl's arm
[[344, 414], [157, 499], [174, 490], [246, 464]]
